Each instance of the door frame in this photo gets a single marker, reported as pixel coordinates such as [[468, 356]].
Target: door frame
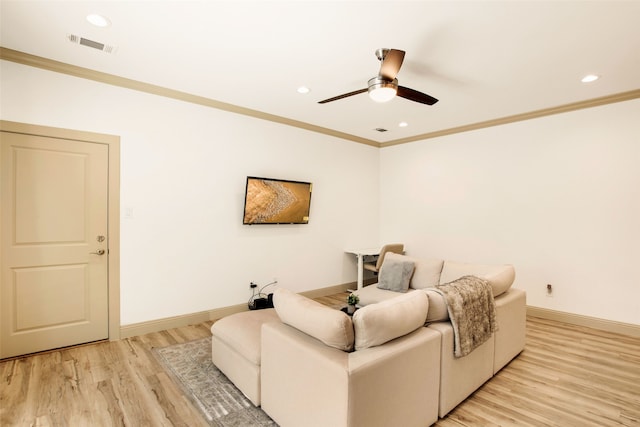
[[113, 204]]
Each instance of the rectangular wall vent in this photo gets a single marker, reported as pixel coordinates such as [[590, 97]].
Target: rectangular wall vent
[[91, 43]]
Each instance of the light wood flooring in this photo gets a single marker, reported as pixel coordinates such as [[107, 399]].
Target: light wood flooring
[[566, 376]]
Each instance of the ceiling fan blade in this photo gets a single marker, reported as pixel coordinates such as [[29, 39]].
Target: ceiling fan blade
[[414, 95], [391, 64], [344, 95]]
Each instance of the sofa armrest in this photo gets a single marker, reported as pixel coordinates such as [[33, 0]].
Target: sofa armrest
[[304, 382], [396, 383], [393, 384], [511, 315]]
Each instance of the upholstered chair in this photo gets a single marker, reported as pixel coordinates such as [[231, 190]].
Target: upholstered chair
[[397, 248]]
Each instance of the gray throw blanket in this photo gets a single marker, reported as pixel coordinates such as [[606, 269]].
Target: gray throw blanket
[[472, 312]]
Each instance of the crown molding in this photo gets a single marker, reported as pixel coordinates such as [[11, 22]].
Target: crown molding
[[589, 103], [111, 79], [86, 73]]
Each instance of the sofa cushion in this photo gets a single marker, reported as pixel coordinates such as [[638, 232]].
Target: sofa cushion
[[379, 323], [372, 294], [427, 273], [437, 305], [395, 272], [332, 327], [500, 277], [438, 311]]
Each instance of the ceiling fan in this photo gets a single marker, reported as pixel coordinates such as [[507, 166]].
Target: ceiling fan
[[384, 86]]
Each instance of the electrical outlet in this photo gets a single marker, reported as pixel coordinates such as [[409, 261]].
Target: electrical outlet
[[549, 290]]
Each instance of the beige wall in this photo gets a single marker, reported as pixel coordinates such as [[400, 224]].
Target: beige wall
[[183, 169], [558, 197]]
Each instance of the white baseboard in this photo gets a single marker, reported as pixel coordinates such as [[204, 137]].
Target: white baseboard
[[331, 290], [158, 325], [590, 322]]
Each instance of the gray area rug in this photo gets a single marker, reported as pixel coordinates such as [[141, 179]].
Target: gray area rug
[[221, 403]]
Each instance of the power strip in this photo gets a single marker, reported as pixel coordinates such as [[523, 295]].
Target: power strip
[[261, 303]]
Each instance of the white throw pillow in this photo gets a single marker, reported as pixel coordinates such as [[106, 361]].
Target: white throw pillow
[[379, 323], [332, 327], [395, 273]]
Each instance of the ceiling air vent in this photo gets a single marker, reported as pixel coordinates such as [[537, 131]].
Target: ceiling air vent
[[91, 43], [381, 130]]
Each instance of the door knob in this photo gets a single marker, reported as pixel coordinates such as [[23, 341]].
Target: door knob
[[98, 252]]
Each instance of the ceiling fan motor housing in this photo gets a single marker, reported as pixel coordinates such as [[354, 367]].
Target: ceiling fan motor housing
[[382, 53]]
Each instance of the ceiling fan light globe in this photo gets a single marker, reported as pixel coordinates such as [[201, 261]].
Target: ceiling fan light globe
[[382, 94], [382, 90]]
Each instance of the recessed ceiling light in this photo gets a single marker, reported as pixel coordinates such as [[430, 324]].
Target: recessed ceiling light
[[403, 124], [303, 90], [590, 78], [98, 20]]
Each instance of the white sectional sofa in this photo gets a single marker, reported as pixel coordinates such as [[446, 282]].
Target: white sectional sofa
[[459, 377], [390, 364], [321, 369]]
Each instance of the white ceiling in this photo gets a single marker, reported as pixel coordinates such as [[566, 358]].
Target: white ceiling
[[483, 60]]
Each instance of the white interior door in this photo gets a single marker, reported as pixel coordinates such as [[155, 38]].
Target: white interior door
[[55, 250]]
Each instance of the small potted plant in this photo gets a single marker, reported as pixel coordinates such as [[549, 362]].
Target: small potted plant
[[352, 300]]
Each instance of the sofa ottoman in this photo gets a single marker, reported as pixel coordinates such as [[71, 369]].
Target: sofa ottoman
[[236, 348]]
